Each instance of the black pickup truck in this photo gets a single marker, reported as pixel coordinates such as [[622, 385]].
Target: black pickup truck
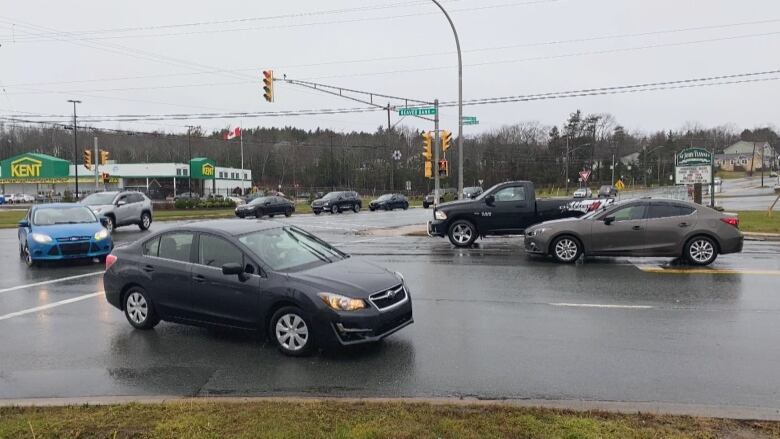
[[505, 209]]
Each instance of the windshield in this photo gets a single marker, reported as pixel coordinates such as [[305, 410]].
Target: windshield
[[331, 195], [385, 197], [487, 192], [99, 199], [290, 248], [48, 216], [259, 200]]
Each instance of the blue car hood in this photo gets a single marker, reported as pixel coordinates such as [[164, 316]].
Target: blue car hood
[[66, 230]]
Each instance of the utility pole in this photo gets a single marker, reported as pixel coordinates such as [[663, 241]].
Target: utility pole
[[189, 162], [75, 146], [566, 162], [392, 159], [96, 162], [613, 169], [436, 147]]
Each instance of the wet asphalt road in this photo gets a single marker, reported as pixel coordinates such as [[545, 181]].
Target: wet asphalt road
[[490, 322]]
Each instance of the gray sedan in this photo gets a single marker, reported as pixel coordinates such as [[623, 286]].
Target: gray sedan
[[646, 227]]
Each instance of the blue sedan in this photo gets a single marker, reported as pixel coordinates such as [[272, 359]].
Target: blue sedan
[[62, 231]]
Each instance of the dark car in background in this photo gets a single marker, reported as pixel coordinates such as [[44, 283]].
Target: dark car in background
[[472, 192], [291, 286], [337, 202], [445, 194], [270, 206], [389, 202], [608, 191], [646, 227]]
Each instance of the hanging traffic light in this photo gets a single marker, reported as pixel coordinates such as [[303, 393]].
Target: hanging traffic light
[[268, 85], [106, 177], [444, 168], [427, 146], [103, 157], [88, 159], [428, 169], [446, 140]]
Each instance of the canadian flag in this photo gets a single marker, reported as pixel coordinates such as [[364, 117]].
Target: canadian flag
[[232, 133]]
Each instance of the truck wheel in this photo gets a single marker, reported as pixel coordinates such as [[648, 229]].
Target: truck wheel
[[701, 250], [566, 249], [462, 233], [356, 208]]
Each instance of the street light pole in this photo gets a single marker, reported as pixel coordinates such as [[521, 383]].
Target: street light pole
[[460, 102], [75, 146], [189, 162]]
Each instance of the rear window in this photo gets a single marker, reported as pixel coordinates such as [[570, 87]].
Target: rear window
[[176, 246]]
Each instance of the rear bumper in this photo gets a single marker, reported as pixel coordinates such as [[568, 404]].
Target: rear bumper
[[732, 245], [437, 228]]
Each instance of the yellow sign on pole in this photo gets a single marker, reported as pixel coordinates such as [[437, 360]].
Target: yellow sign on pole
[[619, 185]]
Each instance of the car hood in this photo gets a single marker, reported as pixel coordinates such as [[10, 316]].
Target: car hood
[[350, 277], [68, 230], [558, 224], [456, 203], [100, 207]]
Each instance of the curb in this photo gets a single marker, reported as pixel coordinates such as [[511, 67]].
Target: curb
[[754, 236]]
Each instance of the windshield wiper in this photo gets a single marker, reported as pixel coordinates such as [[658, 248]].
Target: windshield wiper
[[321, 256]]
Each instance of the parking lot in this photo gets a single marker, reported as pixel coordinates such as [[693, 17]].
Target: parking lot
[[490, 322]]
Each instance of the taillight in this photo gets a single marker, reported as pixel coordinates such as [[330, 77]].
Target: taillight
[[110, 259], [731, 220]]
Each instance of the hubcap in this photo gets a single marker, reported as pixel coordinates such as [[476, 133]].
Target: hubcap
[[461, 233], [27, 255], [701, 250], [146, 221], [137, 308], [291, 332], [110, 225], [334, 209], [566, 249]]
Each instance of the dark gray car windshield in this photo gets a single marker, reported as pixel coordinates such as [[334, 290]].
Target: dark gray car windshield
[[331, 195], [385, 197], [99, 199], [290, 248], [47, 216]]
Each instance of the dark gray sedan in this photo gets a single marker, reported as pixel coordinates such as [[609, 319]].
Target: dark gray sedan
[[646, 227]]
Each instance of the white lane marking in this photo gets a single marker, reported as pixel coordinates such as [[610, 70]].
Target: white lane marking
[[601, 305], [51, 305], [47, 282]]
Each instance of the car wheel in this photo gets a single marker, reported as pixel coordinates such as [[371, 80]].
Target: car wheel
[[371, 208], [288, 212], [110, 224], [146, 221], [701, 250], [356, 208], [566, 249], [271, 215], [139, 310], [462, 233], [317, 212], [406, 206], [258, 213], [425, 205], [335, 209], [27, 256], [291, 331]]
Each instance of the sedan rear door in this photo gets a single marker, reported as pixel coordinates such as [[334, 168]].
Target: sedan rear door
[[668, 224], [166, 263]]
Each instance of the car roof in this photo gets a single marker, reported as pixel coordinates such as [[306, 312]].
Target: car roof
[[232, 227], [58, 205]]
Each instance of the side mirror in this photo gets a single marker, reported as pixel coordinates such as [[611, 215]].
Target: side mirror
[[121, 203], [232, 268], [24, 223], [609, 220], [489, 200]]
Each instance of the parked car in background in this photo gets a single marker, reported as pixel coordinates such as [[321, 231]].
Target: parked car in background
[[238, 201], [187, 196], [20, 199], [121, 208], [62, 231], [583, 192], [270, 206], [216, 197], [472, 192], [608, 191], [389, 202], [645, 227], [264, 276], [445, 194], [337, 202], [2, 199]]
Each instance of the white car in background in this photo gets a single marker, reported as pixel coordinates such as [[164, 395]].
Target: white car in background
[[237, 200], [20, 198], [583, 192]]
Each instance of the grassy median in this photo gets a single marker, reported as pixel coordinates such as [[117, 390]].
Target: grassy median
[[332, 419]]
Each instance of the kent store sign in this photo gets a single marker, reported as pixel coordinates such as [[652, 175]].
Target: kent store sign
[[32, 166]]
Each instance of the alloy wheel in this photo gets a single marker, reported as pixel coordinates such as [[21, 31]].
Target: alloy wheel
[[137, 308], [292, 332], [566, 249], [462, 233], [146, 221], [701, 251]]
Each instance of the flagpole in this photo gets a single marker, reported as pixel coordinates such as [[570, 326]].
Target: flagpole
[[241, 141]]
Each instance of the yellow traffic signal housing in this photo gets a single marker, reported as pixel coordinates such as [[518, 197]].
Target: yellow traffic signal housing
[[446, 140], [106, 177], [428, 169], [427, 146], [88, 159], [444, 168], [103, 157], [268, 85]]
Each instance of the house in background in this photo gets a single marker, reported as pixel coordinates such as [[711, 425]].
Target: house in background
[[747, 156]]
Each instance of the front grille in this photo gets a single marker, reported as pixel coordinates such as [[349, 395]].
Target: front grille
[[387, 298], [74, 238], [74, 249]]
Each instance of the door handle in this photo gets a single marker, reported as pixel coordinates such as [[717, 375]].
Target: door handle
[[148, 268], [683, 224], [637, 228], [199, 278]]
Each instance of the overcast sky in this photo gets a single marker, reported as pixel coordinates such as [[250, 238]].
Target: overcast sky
[[397, 47]]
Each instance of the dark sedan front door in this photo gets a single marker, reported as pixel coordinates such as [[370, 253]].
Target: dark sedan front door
[[625, 235]]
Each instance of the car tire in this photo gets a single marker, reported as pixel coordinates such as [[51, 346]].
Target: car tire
[[146, 221], [27, 256], [291, 330], [406, 206], [462, 233], [335, 209], [139, 309], [288, 212], [110, 224], [425, 205], [566, 249], [356, 208], [258, 213], [271, 215], [371, 208], [701, 250], [317, 212]]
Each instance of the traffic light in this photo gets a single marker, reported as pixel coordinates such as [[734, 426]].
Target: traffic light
[[444, 168], [106, 177], [103, 157], [268, 85], [428, 169], [88, 159], [446, 140], [427, 146]]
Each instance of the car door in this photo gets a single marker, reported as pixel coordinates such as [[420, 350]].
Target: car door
[[625, 235], [167, 264], [136, 207], [224, 299], [509, 209], [122, 209], [667, 225]]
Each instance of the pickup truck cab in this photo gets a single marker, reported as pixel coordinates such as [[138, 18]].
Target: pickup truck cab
[[504, 209]]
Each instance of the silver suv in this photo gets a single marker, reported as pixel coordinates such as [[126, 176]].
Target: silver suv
[[121, 208]]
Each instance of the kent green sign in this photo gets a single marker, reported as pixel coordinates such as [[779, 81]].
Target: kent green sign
[[694, 157], [419, 111], [33, 168], [203, 168]]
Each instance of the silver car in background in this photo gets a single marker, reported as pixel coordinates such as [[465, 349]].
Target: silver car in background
[[121, 208], [645, 227]]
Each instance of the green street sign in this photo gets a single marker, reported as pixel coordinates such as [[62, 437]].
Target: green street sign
[[470, 120], [419, 111]]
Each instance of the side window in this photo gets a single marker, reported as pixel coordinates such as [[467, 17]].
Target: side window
[[662, 210], [629, 213], [512, 193], [686, 210], [150, 247], [176, 246], [123, 198], [214, 251]]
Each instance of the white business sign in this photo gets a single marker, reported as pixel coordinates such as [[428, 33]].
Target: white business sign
[[693, 174]]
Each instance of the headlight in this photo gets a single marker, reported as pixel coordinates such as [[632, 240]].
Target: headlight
[[102, 234], [40, 238], [439, 215], [537, 232], [342, 303]]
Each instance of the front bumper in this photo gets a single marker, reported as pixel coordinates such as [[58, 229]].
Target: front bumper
[[535, 245], [57, 251], [437, 228]]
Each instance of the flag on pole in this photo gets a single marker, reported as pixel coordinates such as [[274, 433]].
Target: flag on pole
[[233, 133]]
